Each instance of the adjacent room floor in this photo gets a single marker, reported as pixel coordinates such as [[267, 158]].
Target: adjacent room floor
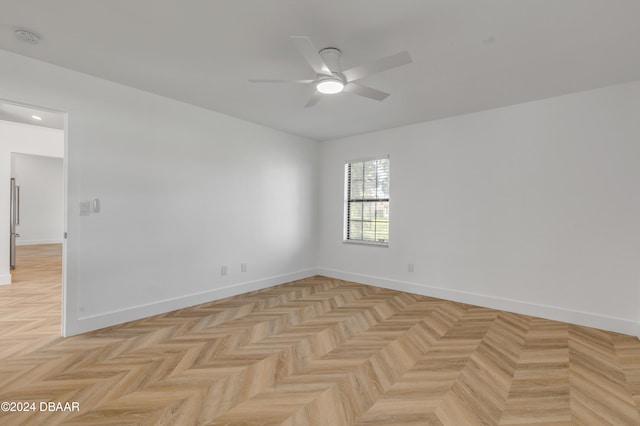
[[314, 351], [31, 307]]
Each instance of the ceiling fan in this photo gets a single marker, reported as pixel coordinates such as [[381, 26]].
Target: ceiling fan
[[330, 79]]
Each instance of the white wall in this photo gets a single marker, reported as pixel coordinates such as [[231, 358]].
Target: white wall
[[20, 138], [183, 191], [41, 198], [533, 208]]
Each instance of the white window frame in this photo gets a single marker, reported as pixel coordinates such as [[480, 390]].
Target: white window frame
[[347, 201]]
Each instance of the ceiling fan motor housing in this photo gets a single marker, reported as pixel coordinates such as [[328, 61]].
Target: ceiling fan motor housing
[[333, 84], [331, 57]]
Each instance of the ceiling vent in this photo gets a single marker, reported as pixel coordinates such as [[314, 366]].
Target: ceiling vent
[[27, 36]]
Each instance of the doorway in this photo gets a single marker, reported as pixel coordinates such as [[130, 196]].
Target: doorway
[[32, 147]]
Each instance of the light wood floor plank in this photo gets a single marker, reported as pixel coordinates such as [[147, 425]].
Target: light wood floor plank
[[318, 351]]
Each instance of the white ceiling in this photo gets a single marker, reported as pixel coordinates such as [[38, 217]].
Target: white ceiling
[[468, 55]]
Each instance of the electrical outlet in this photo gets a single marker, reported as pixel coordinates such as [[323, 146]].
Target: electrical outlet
[[243, 267], [410, 267], [223, 270]]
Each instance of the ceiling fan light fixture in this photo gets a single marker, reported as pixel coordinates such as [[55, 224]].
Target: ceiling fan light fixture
[[330, 86], [330, 79]]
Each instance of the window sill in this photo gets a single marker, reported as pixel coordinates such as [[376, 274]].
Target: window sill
[[365, 243]]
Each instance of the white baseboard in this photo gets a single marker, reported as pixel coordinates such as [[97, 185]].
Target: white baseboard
[[21, 242], [619, 325], [5, 279], [95, 322]]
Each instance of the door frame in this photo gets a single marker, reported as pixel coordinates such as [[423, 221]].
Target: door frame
[[65, 195]]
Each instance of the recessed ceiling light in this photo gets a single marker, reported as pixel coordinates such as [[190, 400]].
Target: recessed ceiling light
[[27, 36], [330, 86], [36, 117]]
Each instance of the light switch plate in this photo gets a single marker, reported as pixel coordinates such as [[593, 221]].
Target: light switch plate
[[85, 208]]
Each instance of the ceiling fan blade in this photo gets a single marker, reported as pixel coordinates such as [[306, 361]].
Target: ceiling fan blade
[[310, 53], [393, 61], [314, 99], [367, 92], [280, 81]]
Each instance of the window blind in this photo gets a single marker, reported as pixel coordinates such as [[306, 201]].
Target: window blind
[[367, 201]]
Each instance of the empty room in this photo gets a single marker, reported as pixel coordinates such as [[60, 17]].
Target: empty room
[[294, 212]]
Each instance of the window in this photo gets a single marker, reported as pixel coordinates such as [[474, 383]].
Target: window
[[367, 201]]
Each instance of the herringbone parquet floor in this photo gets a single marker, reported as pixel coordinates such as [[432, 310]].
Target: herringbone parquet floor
[[318, 351]]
